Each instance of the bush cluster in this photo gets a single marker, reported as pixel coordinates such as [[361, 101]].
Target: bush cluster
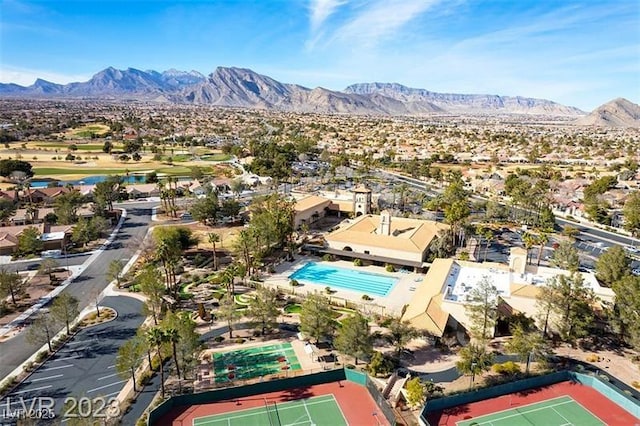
[[506, 368]]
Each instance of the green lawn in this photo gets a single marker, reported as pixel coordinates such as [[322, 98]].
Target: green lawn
[[175, 170], [81, 147], [216, 157], [74, 170], [293, 309]]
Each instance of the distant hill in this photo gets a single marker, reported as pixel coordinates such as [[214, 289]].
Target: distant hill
[[240, 87], [617, 113], [459, 103]]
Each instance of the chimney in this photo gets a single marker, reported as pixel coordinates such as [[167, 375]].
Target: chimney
[[385, 223]]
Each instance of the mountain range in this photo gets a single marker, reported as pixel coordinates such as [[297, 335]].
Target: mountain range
[[240, 87]]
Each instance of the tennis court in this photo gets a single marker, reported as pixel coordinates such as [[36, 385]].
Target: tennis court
[[561, 411], [254, 362], [318, 411]]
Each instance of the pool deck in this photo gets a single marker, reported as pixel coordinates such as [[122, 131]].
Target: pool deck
[[392, 303]]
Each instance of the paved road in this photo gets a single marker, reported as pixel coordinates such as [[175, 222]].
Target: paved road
[[89, 283], [84, 367], [32, 265]]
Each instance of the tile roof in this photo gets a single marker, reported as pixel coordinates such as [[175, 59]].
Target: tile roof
[[412, 235]]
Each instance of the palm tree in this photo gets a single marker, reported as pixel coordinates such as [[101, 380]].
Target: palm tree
[[155, 338], [542, 239], [489, 237], [172, 336], [228, 277], [213, 239], [529, 241], [163, 195]]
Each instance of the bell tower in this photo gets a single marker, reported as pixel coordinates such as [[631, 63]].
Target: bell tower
[[361, 200]]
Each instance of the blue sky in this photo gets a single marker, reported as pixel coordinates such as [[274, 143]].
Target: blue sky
[[579, 53]]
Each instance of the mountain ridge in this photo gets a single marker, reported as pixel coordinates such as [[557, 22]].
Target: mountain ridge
[[619, 112], [242, 87]]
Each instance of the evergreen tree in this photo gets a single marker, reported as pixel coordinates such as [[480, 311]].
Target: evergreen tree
[[566, 257], [151, 285], [263, 309], [315, 317], [474, 359], [627, 308], [631, 213], [354, 337], [482, 309], [572, 303], [527, 345], [612, 265], [400, 333], [227, 312]]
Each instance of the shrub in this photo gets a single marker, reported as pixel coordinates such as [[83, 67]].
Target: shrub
[[328, 290], [506, 368], [635, 384], [145, 377], [593, 358], [380, 365], [389, 268], [357, 262], [328, 257], [239, 340], [218, 339], [367, 298], [41, 356], [294, 283], [155, 363]]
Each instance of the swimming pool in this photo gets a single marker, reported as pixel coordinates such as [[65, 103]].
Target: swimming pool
[[350, 279]]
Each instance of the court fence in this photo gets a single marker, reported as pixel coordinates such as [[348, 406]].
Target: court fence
[[606, 389], [238, 392]]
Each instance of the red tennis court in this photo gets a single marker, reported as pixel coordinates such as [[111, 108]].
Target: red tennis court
[[592, 400], [354, 400]]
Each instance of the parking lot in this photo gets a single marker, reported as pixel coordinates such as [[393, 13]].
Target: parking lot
[[85, 366]]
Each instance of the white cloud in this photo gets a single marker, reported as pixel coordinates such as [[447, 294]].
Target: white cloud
[[26, 77], [380, 19], [321, 10]]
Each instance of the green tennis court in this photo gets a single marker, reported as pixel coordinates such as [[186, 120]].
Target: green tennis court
[[319, 411], [254, 362], [561, 411]]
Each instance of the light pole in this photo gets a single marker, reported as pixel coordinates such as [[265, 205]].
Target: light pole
[[473, 374]]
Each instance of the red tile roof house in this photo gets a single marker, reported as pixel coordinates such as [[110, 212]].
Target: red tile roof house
[[53, 237], [142, 190], [44, 196]]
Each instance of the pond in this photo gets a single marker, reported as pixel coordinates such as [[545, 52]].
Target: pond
[[87, 180], [92, 180]]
